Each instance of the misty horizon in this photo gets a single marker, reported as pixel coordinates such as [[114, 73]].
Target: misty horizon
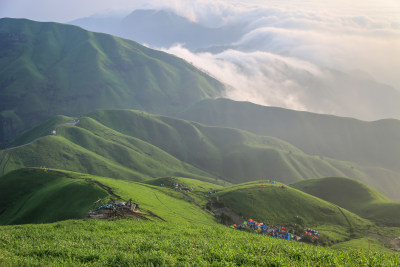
[[336, 58]]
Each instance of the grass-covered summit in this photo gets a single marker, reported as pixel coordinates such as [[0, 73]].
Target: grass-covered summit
[[354, 196], [48, 69]]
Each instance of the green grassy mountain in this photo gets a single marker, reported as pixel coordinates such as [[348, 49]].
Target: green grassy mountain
[[96, 149], [35, 196], [38, 195], [137, 146], [175, 228], [275, 203], [367, 143], [354, 196], [48, 69], [41, 196]]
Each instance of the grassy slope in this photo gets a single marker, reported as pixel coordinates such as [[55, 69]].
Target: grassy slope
[[41, 130], [193, 184], [234, 155], [365, 243], [49, 68], [188, 235], [199, 189], [37, 197], [369, 143], [98, 150], [275, 205], [128, 243], [354, 196], [372, 144], [136, 145]]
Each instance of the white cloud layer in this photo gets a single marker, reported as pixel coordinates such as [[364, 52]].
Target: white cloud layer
[[294, 53], [291, 52]]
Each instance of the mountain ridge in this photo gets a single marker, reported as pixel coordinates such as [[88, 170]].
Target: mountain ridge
[[373, 143], [136, 145], [48, 69]]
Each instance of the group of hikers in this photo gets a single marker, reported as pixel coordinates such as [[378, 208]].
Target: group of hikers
[[275, 231]]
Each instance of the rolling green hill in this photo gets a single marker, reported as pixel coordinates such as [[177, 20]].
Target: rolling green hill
[[48, 69], [372, 144], [354, 196], [136, 145], [175, 230], [40, 196], [275, 203], [99, 150], [35, 196]]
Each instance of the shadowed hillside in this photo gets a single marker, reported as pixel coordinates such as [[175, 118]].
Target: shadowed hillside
[[367, 143], [374, 145]]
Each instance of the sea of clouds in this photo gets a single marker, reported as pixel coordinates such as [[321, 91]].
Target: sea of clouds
[[300, 55], [338, 57]]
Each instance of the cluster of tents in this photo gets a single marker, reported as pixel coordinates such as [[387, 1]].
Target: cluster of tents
[[275, 231], [312, 232]]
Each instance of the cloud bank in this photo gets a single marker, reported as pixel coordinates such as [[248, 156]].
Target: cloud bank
[[340, 57], [298, 56]]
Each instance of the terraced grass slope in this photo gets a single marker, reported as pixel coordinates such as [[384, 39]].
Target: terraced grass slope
[[354, 196], [35, 196], [48, 69], [274, 203], [136, 145]]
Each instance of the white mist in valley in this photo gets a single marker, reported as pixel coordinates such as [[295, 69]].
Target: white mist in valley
[[340, 59], [336, 57]]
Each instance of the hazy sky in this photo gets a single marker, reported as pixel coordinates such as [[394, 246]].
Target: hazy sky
[[63, 11], [286, 40]]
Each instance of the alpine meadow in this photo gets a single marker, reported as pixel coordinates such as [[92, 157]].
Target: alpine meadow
[[134, 137]]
